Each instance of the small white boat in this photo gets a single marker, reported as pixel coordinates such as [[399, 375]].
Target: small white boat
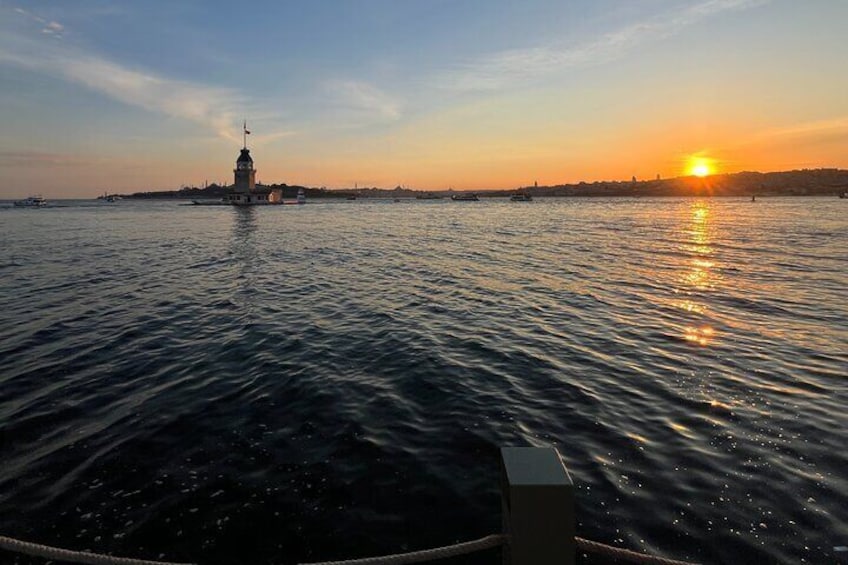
[[464, 197], [521, 198], [32, 202]]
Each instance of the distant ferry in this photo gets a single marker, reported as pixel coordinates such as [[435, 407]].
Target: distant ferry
[[464, 197], [109, 197], [36, 201], [521, 197]]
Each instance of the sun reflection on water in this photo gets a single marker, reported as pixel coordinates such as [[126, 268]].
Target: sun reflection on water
[[690, 306], [701, 336], [700, 275]]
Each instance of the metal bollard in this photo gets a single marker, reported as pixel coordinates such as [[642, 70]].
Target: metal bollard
[[537, 500]]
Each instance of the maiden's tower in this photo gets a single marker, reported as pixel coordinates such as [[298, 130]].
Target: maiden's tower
[[244, 191]]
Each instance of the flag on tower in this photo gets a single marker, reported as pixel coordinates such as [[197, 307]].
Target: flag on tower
[[247, 131]]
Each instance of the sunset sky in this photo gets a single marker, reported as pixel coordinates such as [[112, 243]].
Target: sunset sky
[[122, 96]]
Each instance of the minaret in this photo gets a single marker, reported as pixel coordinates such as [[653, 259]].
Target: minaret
[[245, 174]]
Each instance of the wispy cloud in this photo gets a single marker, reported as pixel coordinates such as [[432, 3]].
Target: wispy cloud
[[48, 27], [364, 100], [265, 139], [215, 107], [206, 105], [509, 67]]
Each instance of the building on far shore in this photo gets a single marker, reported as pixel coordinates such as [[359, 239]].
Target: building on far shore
[[244, 191]]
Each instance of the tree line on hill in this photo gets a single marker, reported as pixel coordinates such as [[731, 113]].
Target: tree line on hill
[[806, 182]]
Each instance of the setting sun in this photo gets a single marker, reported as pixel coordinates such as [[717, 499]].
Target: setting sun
[[700, 170], [700, 166]]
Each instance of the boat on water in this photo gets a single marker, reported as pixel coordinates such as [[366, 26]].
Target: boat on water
[[109, 197], [522, 197], [36, 201], [464, 197]]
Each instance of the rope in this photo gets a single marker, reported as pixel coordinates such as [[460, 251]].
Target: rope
[[495, 540], [487, 542], [47, 552], [624, 554]]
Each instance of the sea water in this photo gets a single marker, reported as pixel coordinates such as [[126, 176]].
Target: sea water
[[329, 381]]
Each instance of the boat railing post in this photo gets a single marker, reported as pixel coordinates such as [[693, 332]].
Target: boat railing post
[[537, 500]]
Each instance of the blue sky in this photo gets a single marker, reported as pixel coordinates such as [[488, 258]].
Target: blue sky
[[122, 96]]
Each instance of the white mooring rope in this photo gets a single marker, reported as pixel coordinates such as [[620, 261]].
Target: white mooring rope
[[494, 540], [627, 555], [47, 552], [487, 542]]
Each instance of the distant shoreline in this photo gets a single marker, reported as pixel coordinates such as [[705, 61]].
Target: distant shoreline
[[806, 182]]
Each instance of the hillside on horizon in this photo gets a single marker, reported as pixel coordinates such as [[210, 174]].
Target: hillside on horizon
[[802, 182]]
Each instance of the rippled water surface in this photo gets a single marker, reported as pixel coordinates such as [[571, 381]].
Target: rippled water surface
[[333, 380]]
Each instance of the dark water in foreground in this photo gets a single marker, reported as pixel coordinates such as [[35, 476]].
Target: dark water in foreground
[[334, 380]]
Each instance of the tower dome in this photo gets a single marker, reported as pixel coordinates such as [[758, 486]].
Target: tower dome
[[244, 160]]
